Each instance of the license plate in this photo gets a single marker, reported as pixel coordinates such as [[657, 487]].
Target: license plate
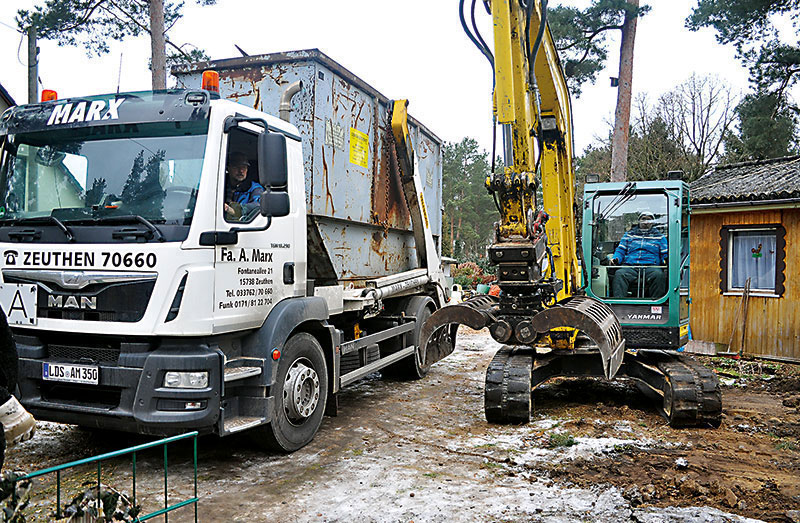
[[18, 301], [88, 374]]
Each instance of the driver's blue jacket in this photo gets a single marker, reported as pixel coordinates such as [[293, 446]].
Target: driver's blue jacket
[[245, 194], [638, 247]]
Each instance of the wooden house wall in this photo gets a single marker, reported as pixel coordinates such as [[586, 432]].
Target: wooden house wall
[[773, 324]]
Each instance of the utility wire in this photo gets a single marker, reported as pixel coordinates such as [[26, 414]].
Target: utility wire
[[10, 27]]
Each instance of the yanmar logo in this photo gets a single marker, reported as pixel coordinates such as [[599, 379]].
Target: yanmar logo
[[85, 111]]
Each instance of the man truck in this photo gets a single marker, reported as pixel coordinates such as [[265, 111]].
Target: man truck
[[139, 304]]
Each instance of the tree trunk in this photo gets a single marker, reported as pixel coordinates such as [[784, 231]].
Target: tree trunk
[[452, 238], [622, 115], [157, 45]]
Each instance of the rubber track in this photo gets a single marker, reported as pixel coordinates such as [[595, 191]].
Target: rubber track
[[507, 393], [694, 394]]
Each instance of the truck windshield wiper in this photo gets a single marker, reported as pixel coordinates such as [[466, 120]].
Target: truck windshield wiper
[[52, 219], [128, 218]]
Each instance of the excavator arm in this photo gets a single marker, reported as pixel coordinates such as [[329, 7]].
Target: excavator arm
[[533, 110], [535, 242]]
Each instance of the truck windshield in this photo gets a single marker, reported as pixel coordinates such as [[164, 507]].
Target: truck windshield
[[629, 246], [84, 174]]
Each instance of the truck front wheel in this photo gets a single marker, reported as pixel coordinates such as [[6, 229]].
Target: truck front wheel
[[300, 391]]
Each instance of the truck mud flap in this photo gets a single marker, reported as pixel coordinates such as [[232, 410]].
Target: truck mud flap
[[438, 334], [593, 317]]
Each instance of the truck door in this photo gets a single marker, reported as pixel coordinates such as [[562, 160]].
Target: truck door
[[248, 273]]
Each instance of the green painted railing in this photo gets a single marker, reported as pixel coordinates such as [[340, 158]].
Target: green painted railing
[[131, 450]]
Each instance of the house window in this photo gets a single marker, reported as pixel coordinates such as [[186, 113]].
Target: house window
[[754, 253]]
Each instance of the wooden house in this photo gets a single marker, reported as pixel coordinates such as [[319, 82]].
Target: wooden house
[[745, 234]]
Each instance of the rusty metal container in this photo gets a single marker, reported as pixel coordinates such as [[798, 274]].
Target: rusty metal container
[[358, 222]]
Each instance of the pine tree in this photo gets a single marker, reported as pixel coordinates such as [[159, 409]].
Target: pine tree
[[580, 36], [94, 23], [767, 117]]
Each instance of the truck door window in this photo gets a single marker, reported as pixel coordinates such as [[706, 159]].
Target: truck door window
[[242, 201]]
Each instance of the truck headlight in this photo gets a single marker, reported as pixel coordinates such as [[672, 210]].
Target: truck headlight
[[186, 380]]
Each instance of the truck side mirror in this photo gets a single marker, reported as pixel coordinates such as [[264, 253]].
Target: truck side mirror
[[273, 172], [275, 204]]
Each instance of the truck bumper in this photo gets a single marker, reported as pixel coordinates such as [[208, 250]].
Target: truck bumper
[[130, 395]]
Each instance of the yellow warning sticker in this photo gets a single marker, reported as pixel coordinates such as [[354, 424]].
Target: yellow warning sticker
[[359, 148], [684, 330]]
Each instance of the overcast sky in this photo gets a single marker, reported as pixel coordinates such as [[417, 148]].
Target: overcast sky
[[412, 49]]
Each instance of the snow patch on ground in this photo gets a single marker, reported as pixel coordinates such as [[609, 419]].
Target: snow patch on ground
[[400, 493], [693, 514]]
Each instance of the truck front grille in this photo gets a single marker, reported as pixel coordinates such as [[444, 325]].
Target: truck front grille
[[77, 354], [107, 296]]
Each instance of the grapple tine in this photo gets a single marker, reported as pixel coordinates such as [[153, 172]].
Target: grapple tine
[[438, 334], [594, 318]]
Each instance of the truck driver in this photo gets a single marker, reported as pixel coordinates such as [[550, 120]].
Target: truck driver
[[242, 196], [642, 245]]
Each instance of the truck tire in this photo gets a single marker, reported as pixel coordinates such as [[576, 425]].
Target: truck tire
[[301, 389], [413, 367]]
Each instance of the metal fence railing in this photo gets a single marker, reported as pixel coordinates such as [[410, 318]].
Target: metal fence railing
[[131, 450]]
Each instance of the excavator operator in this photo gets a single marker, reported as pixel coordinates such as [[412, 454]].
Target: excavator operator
[[643, 245]]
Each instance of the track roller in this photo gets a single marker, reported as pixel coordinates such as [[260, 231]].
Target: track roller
[[507, 394]]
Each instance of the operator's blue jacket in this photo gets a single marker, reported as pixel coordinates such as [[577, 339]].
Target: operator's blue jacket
[[638, 247]]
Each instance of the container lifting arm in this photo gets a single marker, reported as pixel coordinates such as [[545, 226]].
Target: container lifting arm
[[415, 199]]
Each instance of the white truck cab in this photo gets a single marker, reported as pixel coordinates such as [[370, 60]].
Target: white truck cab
[[140, 301]]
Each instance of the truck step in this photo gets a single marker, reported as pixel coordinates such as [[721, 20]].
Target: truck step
[[240, 423], [240, 373]]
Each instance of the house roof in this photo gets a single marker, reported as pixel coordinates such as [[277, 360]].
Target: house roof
[[774, 179], [6, 97]]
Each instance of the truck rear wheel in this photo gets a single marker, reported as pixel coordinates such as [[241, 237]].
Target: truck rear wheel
[[414, 367], [300, 391]]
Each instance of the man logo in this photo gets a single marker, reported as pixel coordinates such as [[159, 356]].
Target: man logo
[[11, 257], [71, 302]]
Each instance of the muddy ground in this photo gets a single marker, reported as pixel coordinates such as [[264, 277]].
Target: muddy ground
[[422, 451]]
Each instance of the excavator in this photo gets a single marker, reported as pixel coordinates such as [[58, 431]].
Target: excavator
[[547, 324]]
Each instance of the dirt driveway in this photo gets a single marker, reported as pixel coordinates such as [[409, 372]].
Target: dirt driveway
[[422, 452]]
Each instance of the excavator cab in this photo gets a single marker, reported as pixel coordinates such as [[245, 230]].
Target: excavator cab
[[636, 252]]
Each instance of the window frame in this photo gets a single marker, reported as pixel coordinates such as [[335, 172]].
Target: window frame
[[727, 233], [246, 128]]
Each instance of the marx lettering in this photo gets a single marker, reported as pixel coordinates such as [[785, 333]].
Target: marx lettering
[[262, 257], [94, 110], [60, 112], [65, 114], [113, 107], [79, 114]]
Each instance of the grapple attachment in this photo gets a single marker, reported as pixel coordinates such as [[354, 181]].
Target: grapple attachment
[[593, 317], [442, 324]]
